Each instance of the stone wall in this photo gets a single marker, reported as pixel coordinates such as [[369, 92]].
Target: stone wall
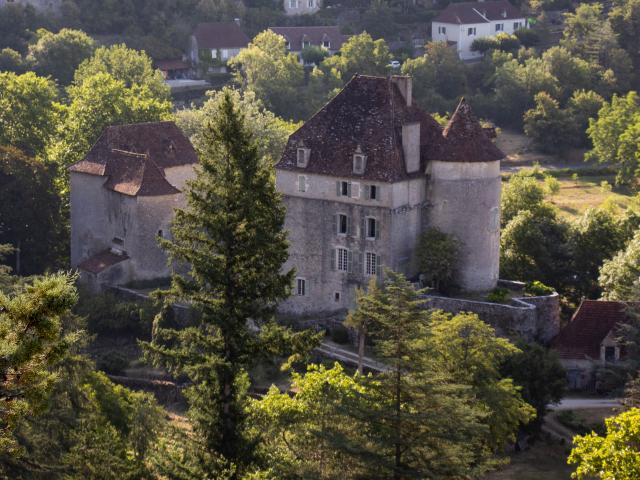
[[531, 318]]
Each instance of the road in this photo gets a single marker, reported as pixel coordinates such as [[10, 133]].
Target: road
[[584, 403]]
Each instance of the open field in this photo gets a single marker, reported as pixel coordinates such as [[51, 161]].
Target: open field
[[542, 461]]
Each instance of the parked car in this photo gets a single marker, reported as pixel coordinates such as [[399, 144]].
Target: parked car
[[395, 64]]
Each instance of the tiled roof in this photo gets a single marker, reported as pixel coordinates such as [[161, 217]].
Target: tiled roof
[[134, 157], [314, 35], [220, 35], [592, 322], [101, 261], [369, 112], [465, 139], [172, 64], [478, 12]]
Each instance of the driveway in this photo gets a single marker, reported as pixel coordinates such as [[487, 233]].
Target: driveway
[[585, 403]]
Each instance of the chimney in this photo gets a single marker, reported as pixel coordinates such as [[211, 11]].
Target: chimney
[[411, 146], [404, 84]]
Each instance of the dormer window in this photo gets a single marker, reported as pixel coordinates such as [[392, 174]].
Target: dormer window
[[504, 14], [302, 158], [359, 161]]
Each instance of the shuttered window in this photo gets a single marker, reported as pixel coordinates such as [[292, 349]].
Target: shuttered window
[[371, 264], [301, 287], [343, 260], [302, 183]]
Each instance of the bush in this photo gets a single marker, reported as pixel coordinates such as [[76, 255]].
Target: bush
[[498, 295], [112, 362], [107, 314], [551, 185], [340, 334], [537, 289]]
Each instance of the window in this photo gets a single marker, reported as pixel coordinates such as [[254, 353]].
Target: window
[[118, 240], [336, 296], [442, 30], [342, 224], [302, 157], [358, 163], [301, 287], [343, 189], [302, 183], [517, 25], [326, 44], [609, 354], [371, 264], [371, 192], [306, 43], [214, 54], [293, 3], [342, 259], [499, 27], [372, 228], [225, 54], [471, 31], [160, 233], [312, 3]]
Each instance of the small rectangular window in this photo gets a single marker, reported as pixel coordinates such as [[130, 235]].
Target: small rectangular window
[[343, 224], [306, 43], [302, 183], [499, 27], [471, 31], [312, 3], [344, 189], [373, 192], [372, 228], [609, 354], [342, 260], [358, 164], [516, 25], [371, 264], [336, 296], [442, 30], [302, 157], [301, 287], [326, 44]]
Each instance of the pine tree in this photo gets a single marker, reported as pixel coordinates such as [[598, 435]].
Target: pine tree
[[228, 248]]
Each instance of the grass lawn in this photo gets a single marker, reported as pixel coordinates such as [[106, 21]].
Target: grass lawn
[[576, 196], [543, 461]]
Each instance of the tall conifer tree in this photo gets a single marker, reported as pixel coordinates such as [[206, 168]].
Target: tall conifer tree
[[228, 248]]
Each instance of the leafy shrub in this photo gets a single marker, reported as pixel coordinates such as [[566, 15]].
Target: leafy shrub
[[340, 334], [551, 185], [112, 362], [107, 314], [498, 295], [537, 289]]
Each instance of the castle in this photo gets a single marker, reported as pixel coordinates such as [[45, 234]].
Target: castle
[[361, 180]]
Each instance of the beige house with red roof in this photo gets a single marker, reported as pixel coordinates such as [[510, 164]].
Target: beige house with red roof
[[459, 24], [589, 340], [366, 175], [123, 195]]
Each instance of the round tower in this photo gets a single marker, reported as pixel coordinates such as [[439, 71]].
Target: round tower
[[464, 187]]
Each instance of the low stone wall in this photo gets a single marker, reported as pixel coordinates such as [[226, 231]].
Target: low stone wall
[[531, 318]]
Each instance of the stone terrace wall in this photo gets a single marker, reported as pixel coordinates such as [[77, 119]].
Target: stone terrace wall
[[532, 318]]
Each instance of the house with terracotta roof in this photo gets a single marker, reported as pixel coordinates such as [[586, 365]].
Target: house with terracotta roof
[[589, 340], [366, 175], [459, 24], [298, 38], [123, 195], [215, 43]]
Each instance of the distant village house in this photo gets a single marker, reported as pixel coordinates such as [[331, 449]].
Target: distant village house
[[461, 23], [214, 44], [298, 38], [301, 7]]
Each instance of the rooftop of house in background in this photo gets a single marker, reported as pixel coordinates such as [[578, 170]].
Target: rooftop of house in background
[[315, 35], [594, 320], [478, 12], [134, 157], [374, 110], [220, 35]]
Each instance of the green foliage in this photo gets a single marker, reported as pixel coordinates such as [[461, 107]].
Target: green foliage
[[439, 77], [11, 61], [620, 276], [551, 185], [528, 37], [502, 41], [230, 238], [106, 314], [112, 362], [522, 192], [625, 22], [437, 256], [537, 289], [582, 107], [613, 455], [274, 75], [615, 136], [31, 340], [28, 112], [540, 376], [270, 132], [30, 213], [546, 124], [59, 54], [313, 55], [360, 54], [498, 295], [340, 334], [126, 65]]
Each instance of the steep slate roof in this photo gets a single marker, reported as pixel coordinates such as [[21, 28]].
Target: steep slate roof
[[315, 35], [478, 12], [101, 261], [220, 35], [171, 64], [465, 139], [369, 112], [133, 157], [592, 322]]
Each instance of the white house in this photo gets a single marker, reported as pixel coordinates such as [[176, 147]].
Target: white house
[[461, 23], [216, 43], [301, 7]]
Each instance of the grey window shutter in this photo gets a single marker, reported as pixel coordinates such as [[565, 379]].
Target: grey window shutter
[[336, 223], [367, 192], [360, 268], [363, 231], [349, 189], [333, 259], [377, 229], [338, 189], [378, 192], [379, 266], [349, 227], [349, 261]]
